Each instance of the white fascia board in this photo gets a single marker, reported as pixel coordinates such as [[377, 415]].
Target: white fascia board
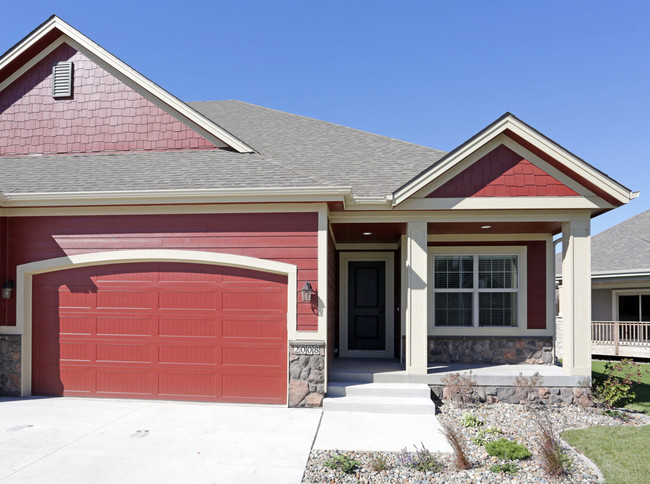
[[88, 46], [621, 273], [303, 194], [509, 122]]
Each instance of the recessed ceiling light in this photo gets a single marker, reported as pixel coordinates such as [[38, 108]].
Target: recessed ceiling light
[[486, 226], [367, 233]]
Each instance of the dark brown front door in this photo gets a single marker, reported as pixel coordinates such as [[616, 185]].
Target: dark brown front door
[[367, 305]]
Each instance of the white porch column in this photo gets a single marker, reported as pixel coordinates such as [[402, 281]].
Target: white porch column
[[416, 298], [576, 297]]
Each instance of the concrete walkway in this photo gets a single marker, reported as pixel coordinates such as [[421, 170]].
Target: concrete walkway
[[380, 432], [75, 440]]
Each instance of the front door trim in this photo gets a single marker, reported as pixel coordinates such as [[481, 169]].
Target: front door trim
[[389, 259]]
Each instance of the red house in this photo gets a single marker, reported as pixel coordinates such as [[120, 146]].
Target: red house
[[153, 248]]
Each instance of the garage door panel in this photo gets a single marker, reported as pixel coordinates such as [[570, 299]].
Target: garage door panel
[[77, 351], [251, 388], [124, 353], [194, 300], [124, 326], [188, 328], [77, 381], [124, 381], [188, 355], [253, 300], [188, 385], [246, 355], [125, 299], [161, 333], [267, 329]]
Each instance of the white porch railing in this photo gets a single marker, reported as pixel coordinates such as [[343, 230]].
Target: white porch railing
[[619, 334]]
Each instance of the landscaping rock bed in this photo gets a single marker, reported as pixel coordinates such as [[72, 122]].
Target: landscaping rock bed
[[515, 421]]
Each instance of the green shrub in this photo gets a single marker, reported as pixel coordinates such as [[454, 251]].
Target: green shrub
[[343, 462], [506, 468], [507, 450], [614, 390], [471, 420]]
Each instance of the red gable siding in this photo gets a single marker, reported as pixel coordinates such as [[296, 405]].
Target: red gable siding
[[285, 237], [103, 115], [502, 173]]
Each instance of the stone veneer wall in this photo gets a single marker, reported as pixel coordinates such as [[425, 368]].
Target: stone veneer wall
[[10, 365], [508, 394], [491, 350], [306, 375]]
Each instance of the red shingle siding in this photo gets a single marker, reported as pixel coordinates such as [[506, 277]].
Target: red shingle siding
[[285, 237], [104, 114], [502, 173]]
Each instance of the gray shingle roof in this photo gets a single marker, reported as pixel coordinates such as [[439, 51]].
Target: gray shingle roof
[[292, 151], [625, 246]]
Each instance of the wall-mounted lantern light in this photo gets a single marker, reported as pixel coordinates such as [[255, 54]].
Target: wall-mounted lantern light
[[307, 291], [7, 287]]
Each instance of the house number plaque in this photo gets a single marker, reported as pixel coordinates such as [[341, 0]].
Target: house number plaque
[[306, 350]]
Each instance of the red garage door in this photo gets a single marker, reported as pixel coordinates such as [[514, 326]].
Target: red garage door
[[161, 330]]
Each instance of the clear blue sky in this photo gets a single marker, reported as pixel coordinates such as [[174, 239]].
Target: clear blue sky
[[429, 72]]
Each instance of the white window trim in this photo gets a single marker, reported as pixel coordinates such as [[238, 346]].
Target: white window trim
[[522, 299], [626, 292]]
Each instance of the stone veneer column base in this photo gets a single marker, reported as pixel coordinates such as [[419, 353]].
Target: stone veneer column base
[[10, 365], [495, 350], [306, 374]]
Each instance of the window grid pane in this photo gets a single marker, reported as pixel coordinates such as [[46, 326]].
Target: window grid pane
[[453, 309], [497, 309], [453, 272], [497, 272]]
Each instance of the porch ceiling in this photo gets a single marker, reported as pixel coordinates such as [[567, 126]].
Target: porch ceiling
[[352, 233], [494, 227]]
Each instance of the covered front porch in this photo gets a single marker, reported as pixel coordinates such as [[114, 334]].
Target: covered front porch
[[392, 318]]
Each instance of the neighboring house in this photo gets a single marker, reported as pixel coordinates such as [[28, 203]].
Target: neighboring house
[[620, 283], [163, 249]]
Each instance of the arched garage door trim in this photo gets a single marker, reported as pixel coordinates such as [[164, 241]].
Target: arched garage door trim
[[25, 272]]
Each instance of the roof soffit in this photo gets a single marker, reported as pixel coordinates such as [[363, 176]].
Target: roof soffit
[[55, 31]]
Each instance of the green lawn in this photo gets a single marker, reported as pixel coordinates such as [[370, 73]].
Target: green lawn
[[642, 401], [621, 453]]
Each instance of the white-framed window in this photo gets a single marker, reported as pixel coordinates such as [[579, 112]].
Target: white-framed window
[[632, 305], [477, 287]]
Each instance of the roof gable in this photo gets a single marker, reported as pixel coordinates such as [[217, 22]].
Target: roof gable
[[51, 34], [553, 160], [101, 114], [502, 173]]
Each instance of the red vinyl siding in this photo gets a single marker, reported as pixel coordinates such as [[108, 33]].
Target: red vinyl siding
[[161, 331], [284, 237], [502, 173], [104, 114], [536, 279]]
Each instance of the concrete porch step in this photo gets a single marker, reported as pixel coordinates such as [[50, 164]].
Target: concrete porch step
[[363, 389], [392, 405], [393, 398]]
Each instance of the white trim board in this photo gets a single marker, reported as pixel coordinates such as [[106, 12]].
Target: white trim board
[[389, 260], [25, 272]]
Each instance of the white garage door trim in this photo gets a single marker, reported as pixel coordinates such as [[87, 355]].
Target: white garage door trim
[[24, 273]]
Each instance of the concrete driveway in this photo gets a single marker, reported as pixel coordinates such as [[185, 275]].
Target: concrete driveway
[[76, 440]]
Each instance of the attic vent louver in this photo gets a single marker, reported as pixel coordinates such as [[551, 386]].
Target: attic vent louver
[[62, 79]]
